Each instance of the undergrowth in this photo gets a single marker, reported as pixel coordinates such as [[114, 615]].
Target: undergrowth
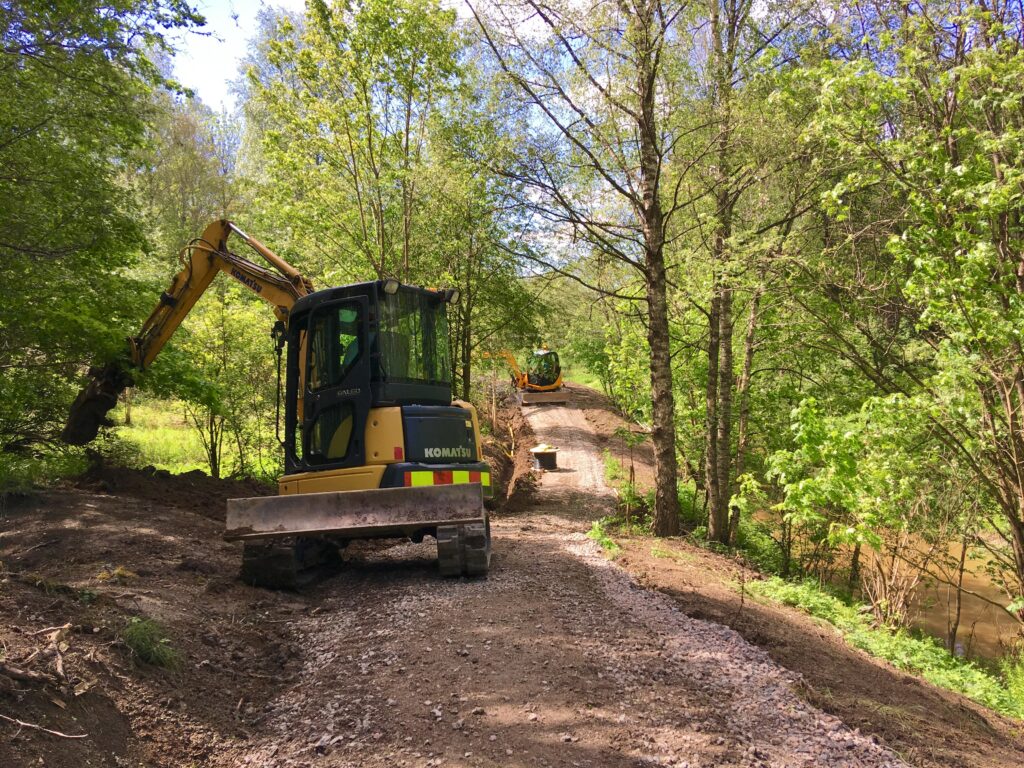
[[599, 533], [918, 654], [20, 473], [147, 641]]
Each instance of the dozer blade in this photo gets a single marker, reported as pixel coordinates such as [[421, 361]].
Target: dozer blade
[[380, 512], [542, 398]]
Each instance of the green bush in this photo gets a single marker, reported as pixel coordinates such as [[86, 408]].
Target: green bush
[[147, 641], [691, 511], [24, 472], [755, 541], [918, 654], [599, 533], [1013, 674]]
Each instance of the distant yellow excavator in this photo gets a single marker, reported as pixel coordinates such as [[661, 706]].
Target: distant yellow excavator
[[541, 382]]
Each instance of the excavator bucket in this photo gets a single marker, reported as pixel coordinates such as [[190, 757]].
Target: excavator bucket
[[542, 398], [94, 402], [453, 514]]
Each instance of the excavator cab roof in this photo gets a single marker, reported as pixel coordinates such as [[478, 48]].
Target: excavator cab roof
[[373, 289]]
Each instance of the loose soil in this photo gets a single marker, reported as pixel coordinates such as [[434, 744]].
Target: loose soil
[[558, 658]]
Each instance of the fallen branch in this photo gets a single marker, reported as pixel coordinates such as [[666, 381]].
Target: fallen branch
[[40, 545], [26, 676], [49, 629], [35, 727]]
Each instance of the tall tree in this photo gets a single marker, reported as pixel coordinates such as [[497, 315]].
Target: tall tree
[[926, 146], [74, 85], [349, 101], [592, 79]]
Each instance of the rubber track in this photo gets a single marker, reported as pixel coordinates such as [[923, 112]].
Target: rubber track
[[464, 549]]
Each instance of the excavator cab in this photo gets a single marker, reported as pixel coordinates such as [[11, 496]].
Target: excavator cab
[[544, 369], [379, 348], [373, 441]]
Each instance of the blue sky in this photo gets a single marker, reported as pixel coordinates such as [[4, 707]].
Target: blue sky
[[208, 61]]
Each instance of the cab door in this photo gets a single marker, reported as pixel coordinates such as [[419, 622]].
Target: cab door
[[337, 394]]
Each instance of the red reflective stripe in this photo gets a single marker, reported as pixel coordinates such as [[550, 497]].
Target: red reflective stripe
[[408, 478], [443, 477], [399, 453], [474, 477]]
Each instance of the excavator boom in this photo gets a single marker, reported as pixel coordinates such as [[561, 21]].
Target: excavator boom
[[202, 259]]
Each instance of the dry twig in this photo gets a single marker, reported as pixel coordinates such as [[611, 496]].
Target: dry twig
[[35, 727]]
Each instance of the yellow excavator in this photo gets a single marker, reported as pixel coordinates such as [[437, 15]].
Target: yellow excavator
[[374, 445], [541, 382]]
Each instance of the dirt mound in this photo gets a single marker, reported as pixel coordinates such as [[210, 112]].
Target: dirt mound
[[507, 450], [195, 491], [77, 570]]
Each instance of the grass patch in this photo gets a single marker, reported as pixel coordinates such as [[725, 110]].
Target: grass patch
[[599, 533], [918, 654], [613, 471], [668, 554], [147, 641], [161, 437], [575, 373], [21, 473]]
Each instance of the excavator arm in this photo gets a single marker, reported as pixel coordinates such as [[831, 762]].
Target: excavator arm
[[202, 259], [518, 377]]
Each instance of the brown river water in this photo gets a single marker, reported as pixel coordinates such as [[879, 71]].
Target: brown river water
[[985, 630]]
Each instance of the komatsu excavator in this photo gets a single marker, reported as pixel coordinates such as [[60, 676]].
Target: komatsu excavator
[[374, 445], [541, 382]]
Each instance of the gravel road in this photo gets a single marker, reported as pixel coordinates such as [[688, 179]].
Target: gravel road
[[556, 659]]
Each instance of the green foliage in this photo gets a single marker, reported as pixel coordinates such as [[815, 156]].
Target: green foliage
[[755, 540], [923, 656], [613, 471], [691, 511], [21, 472], [148, 641], [160, 436], [73, 101], [599, 532], [1012, 669]]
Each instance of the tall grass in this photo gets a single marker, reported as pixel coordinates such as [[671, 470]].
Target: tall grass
[[160, 436], [918, 654]]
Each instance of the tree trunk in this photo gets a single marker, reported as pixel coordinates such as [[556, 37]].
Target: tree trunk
[[954, 625], [711, 412], [666, 504], [719, 530], [854, 579], [743, 393], [719, 435]]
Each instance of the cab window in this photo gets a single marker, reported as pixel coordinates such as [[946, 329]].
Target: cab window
[[334, 345]]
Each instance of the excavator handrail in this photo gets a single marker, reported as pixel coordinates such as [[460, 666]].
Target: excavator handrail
[[202, 259]]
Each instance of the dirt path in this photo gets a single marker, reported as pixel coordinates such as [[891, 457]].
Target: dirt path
[[557, 659]]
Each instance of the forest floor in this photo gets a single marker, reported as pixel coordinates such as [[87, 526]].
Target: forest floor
[[558, 658]]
